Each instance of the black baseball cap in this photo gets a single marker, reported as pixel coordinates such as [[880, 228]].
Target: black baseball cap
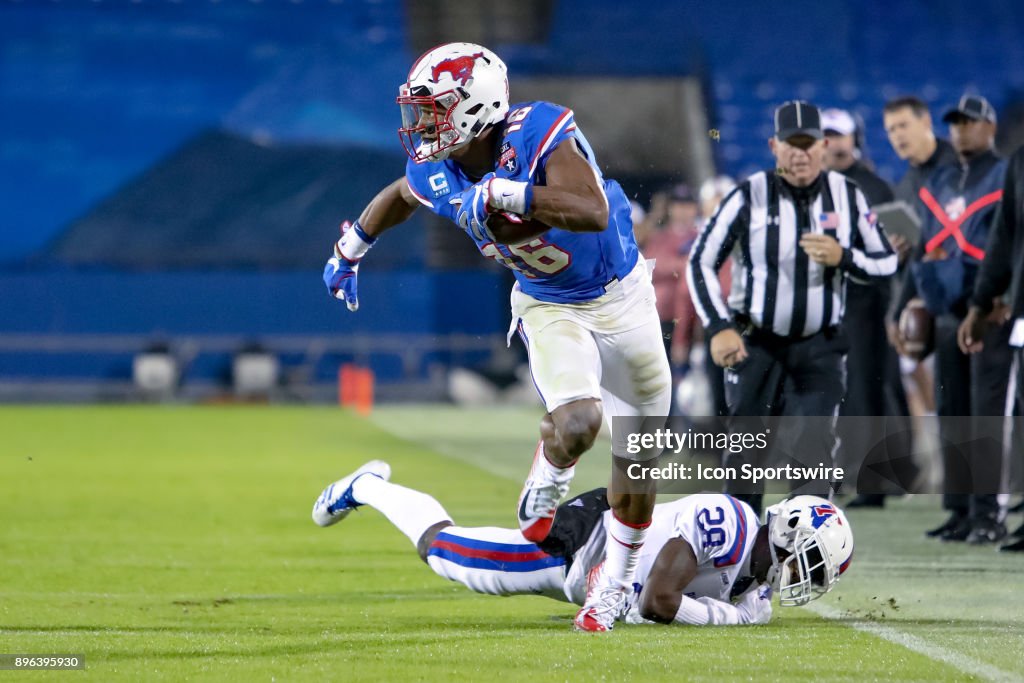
[[797, 117], [974, 107]]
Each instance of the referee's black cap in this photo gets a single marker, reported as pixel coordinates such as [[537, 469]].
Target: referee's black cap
[[798, 117], [974, 107]]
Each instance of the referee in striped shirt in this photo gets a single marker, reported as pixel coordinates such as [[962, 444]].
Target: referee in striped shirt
[[795, 233]]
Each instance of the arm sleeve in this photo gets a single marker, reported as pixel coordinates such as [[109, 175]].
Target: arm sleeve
[[707, 612], [908, 288], [754, 607], [877, 258], [997, 266], [709, 253]]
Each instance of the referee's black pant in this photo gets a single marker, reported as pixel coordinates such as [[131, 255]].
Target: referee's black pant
[[1019, 381], [972, 391], [874, 388], [790, 377], [1018, 405]]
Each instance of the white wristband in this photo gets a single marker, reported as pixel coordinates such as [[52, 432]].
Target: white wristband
[[508, 195], [353, 245]]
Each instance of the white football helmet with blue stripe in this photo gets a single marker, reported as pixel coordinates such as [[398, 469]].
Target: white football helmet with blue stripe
[[811, 543]]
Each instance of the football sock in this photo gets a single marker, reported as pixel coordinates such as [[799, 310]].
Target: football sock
[[557, 473], [412, 512], [622, 552]]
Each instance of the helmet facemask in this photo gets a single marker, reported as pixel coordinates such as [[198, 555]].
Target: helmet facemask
[[427, 131], [807, 573]]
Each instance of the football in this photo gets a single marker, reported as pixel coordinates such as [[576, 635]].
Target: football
[[509, 228], [917, 327]]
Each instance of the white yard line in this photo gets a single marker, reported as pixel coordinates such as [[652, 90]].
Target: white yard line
[[966, 664]]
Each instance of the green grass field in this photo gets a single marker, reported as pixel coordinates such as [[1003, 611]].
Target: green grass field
[[175, 544]]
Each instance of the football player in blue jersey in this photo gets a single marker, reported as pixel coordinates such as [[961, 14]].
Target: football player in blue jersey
[[522, 181]]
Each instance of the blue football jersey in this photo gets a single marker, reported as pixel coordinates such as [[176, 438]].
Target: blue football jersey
[[559, 266]]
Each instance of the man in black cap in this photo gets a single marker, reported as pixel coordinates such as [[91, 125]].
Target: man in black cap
[[795, 233], [1002, 272], [960, 203], [909, 127], [874, 386]]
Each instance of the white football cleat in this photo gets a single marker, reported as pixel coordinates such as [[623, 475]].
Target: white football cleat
[[541, 494], [607, 600], [336, 501]]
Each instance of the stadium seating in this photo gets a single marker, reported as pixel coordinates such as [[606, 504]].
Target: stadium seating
[[102, 99], [851, 59], [85, 119], [95, 95]]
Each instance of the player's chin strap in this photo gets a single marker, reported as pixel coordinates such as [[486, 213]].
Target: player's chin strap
[[772, 578]]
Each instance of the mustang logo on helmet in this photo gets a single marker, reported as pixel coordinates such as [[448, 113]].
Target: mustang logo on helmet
[[459, 68]]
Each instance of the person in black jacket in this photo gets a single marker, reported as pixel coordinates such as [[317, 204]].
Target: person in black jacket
[[874, 386], [909, 127], [960, 203], [1002, 272]]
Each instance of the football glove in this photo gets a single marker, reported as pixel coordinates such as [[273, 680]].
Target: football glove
[[755, 606], [340, 278], [473, 210], [342, 269]]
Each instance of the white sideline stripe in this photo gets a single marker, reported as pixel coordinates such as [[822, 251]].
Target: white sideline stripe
[[964, 663]]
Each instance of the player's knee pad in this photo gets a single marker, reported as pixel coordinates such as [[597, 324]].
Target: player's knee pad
[[661, 399], [427, 539], [654, 388]]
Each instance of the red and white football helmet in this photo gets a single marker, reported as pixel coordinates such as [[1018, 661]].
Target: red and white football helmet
[[453, 93], [818, 541]]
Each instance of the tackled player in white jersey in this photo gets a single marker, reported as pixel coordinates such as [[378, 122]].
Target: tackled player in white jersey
[[523, 182], [707, 561]]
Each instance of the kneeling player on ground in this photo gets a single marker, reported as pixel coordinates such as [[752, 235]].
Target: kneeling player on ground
[[707, 561]]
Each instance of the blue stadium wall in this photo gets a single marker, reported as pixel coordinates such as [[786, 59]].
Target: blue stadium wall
[[251, 306]]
